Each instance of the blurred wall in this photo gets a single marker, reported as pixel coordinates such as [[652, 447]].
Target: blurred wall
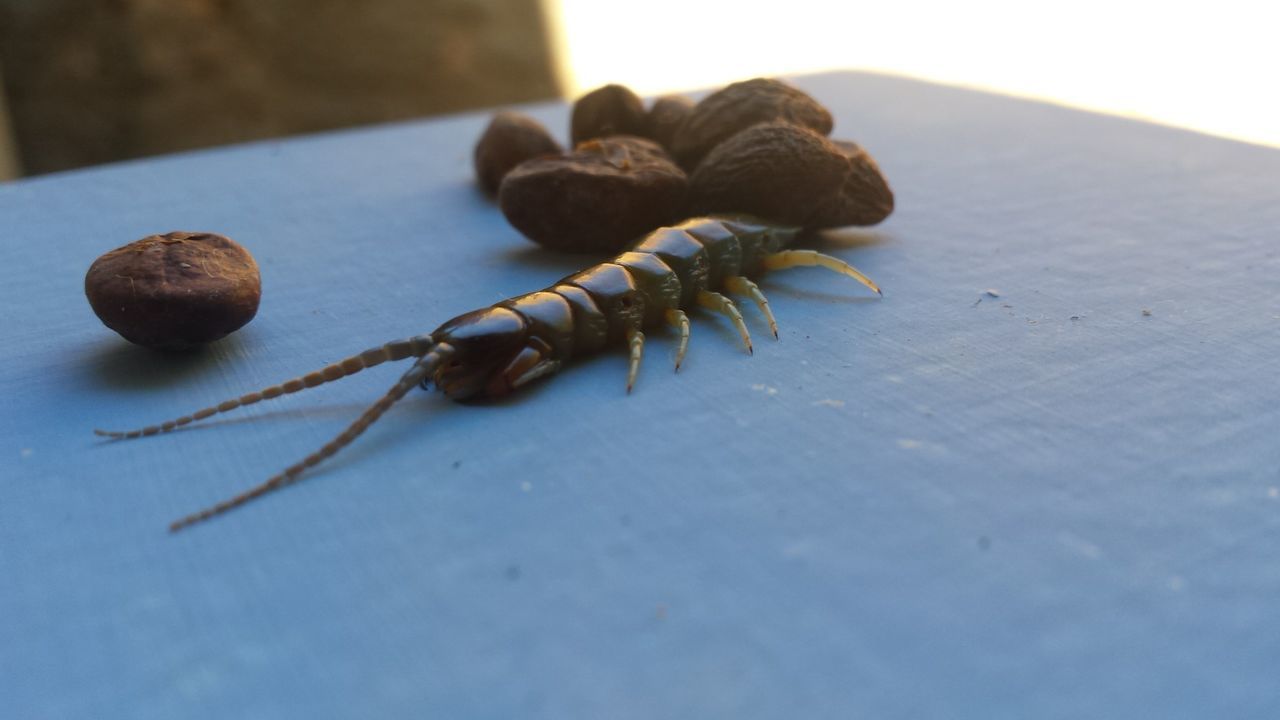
[[8, 156], [92, 82]]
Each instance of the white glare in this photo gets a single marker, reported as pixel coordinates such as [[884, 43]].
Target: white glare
[[1205, 66]]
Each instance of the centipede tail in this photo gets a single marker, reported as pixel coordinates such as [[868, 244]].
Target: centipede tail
[[494, 351]]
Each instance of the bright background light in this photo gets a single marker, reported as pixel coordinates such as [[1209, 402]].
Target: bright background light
[[1212, 67]]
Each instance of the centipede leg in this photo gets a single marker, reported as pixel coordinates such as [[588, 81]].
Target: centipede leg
[[811, 258], [723, 305], [635, 340], [678, 320], [742, 286], [529, 364]]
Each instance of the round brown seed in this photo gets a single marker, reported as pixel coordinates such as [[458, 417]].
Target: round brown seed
[[790, 174], [510, 139], [777, 171], [176, 290], [606, 111], [737, 107], [864, 197], [665, 117], [599, 198]]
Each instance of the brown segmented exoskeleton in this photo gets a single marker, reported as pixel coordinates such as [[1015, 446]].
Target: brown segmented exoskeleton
[[493, 351]]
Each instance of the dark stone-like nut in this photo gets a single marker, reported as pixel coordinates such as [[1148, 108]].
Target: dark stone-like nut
[[176, 290], [599, 198], [510, 139], [665, 117], [792, 175], [606, 111], [737, 107], [864, 197]]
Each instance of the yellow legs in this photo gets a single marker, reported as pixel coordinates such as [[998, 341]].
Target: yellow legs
[[723, 305]]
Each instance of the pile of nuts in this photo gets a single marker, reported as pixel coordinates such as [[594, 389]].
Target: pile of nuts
[[757, 147]]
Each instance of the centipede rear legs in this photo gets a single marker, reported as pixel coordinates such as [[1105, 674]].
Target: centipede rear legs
[[741, 285]]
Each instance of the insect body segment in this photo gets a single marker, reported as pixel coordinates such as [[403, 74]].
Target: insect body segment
[[667, 271], [491, 352]]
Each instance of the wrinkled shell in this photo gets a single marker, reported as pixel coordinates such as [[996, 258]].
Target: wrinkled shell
[[599, 198], [606, 111], [737, 107], [510, 139], [792, 175], [176, 290], [864, 197], [665, 117]]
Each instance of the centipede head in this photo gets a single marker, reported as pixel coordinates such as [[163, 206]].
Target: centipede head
[[493, 352]]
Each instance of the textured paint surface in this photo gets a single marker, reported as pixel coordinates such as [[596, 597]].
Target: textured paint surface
[[1040, 478]]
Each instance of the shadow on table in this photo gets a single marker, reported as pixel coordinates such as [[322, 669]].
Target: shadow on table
[[834, 239], [126, 366], [851, 237], [857, 295], [534, 256]]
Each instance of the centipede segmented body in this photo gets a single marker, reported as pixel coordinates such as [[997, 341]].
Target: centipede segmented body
[[491, 352]]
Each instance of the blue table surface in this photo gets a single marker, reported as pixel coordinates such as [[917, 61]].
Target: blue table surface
[[1056, 499]]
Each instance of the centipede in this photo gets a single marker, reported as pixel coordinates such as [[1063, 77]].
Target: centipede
[[497, 350]]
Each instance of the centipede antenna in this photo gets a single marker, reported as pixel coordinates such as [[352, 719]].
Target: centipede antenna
[[742, 286], [421, 369], [390, 352], [723, 305], [678, 320], [811, 258]]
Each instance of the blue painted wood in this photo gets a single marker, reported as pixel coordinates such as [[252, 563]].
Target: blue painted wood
[[1060, 499]]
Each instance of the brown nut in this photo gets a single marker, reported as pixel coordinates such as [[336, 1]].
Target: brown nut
[[599, 198], [792, 175], [665, 117], [510, 139], [737, 107], [864, 197], [606, 111], [176, 290]]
